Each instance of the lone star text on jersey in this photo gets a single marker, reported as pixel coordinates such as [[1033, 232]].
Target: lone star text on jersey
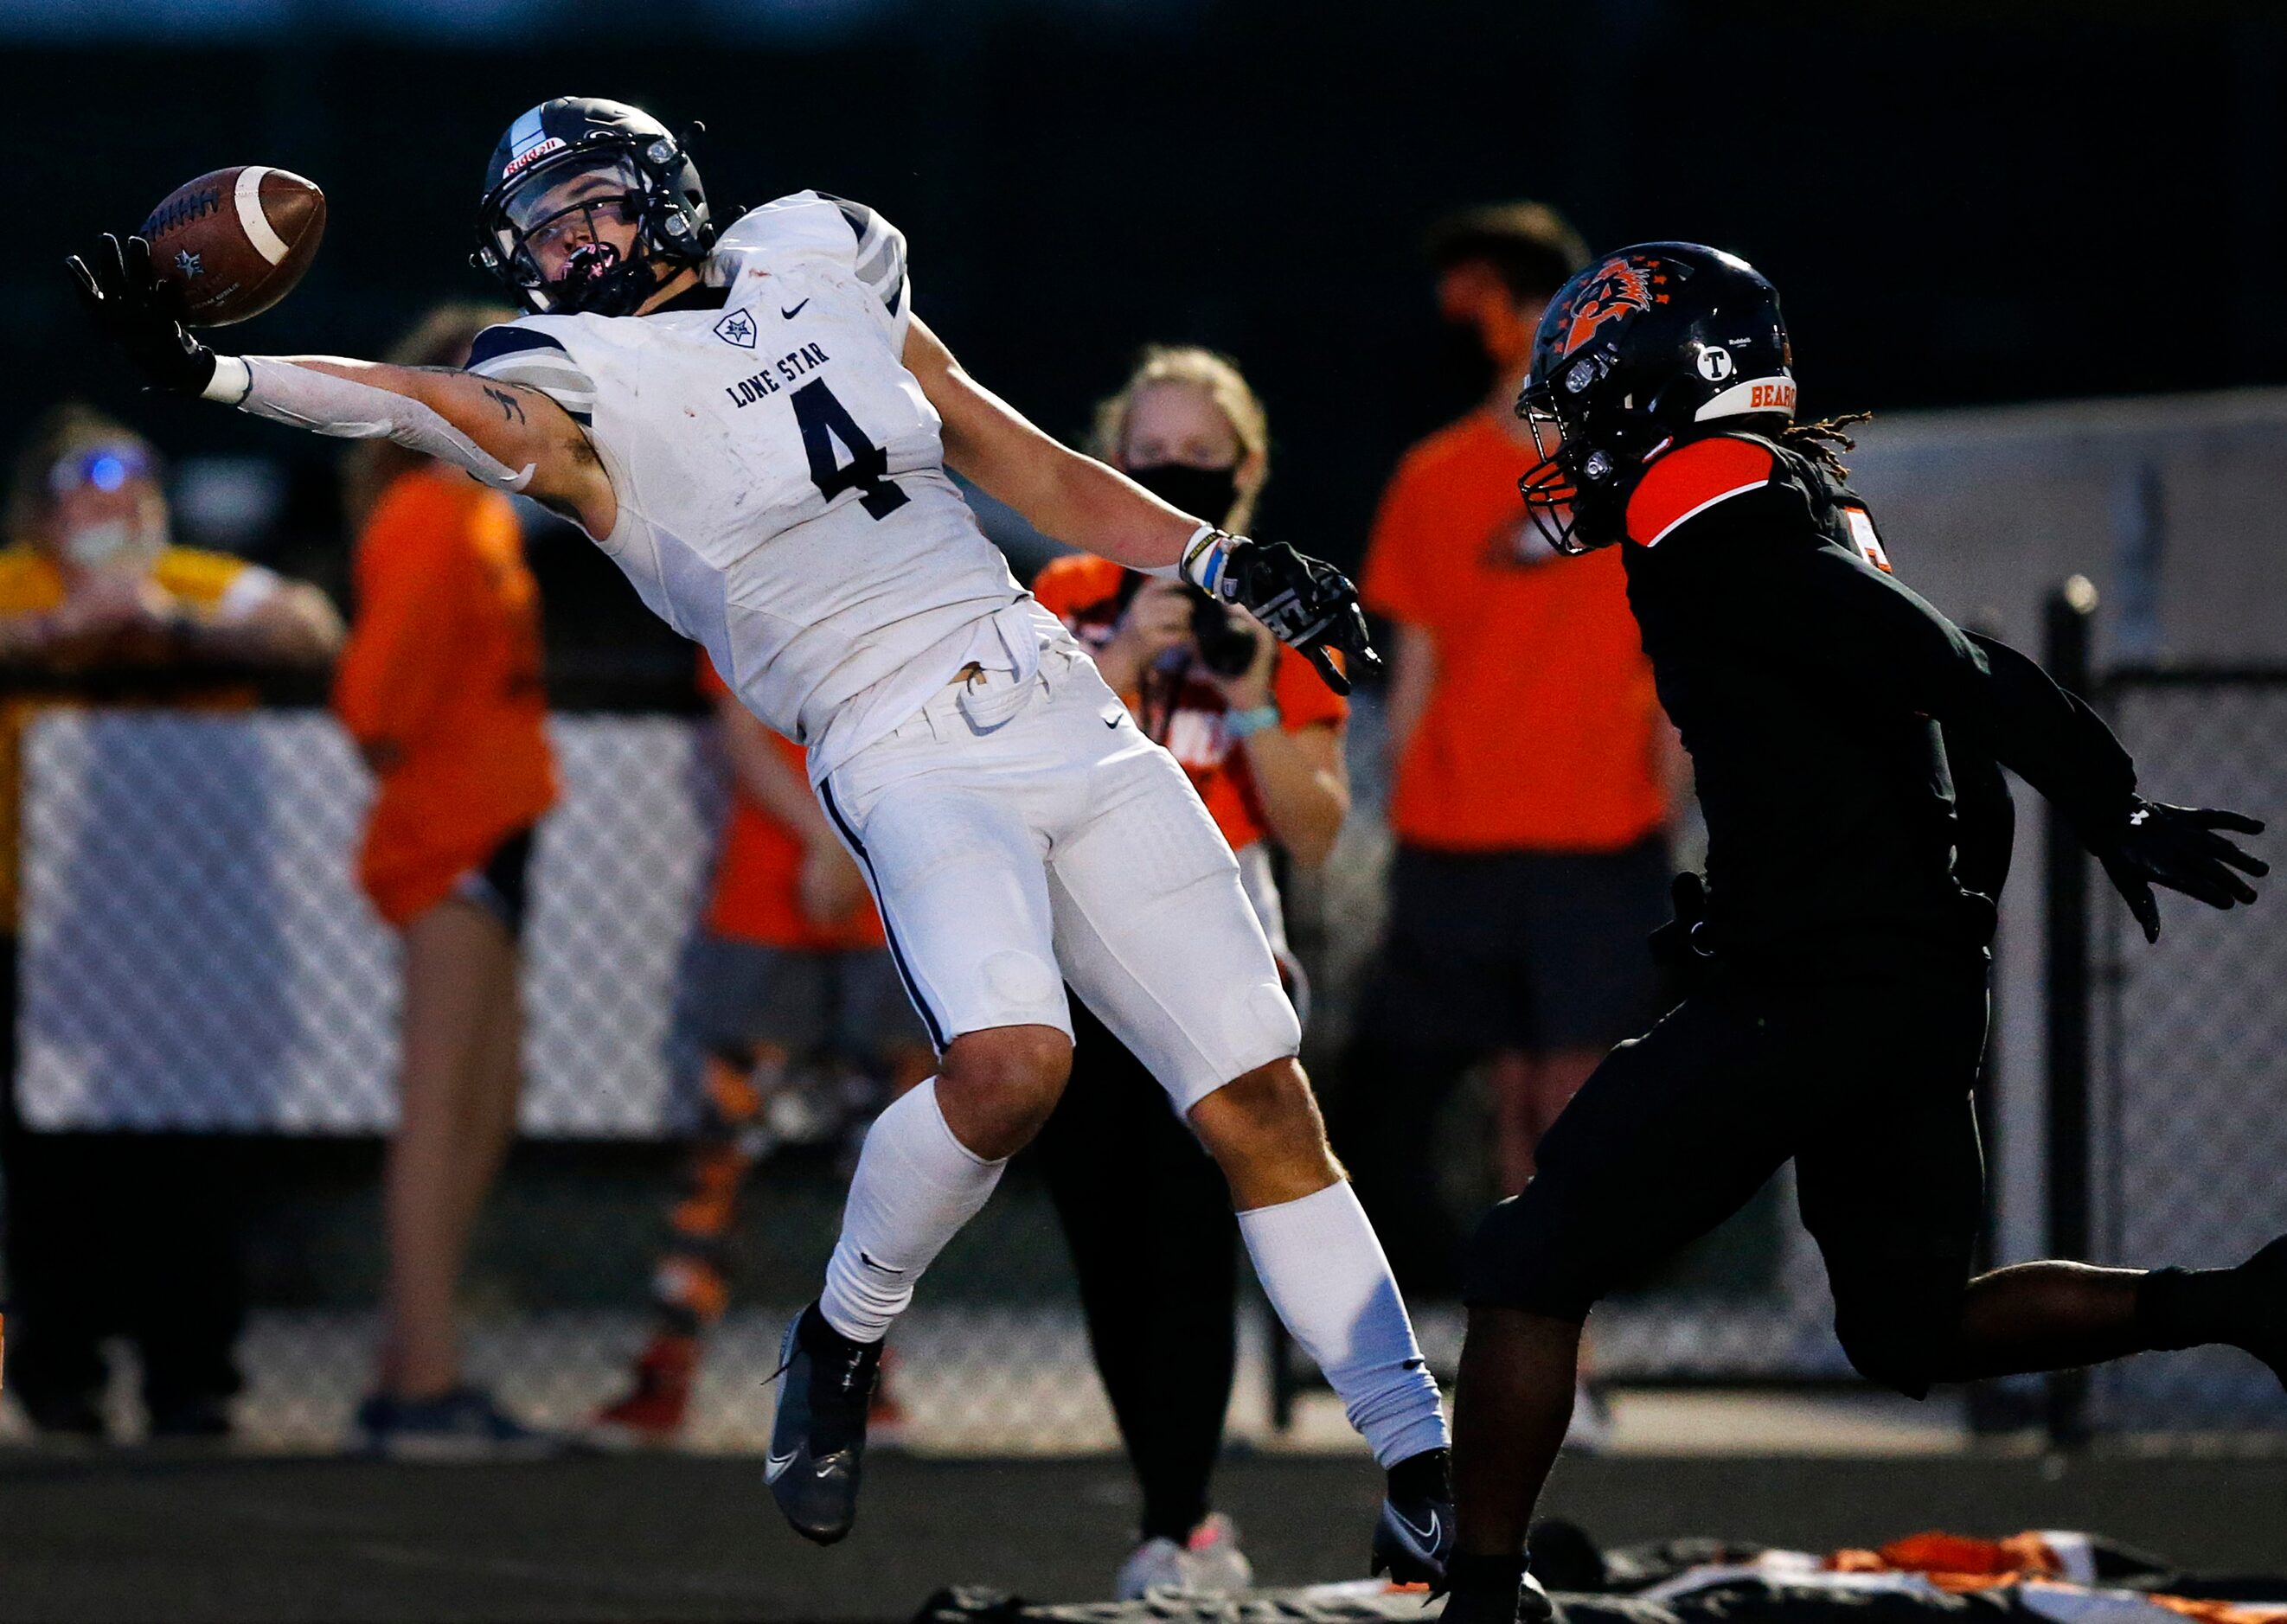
[[776, 376]]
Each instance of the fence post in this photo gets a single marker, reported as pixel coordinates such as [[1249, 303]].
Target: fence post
[[2066, 622]]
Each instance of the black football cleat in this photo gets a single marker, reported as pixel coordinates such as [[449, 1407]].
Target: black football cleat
[[1413, 1536], [1413, 1541], [817, 1438]]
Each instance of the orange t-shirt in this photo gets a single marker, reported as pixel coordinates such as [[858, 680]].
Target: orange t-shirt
[[757, 892], [1185, 712], [1542, 731], [442, 677]]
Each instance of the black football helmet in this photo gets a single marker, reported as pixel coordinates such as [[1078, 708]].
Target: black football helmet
[[656, 187], [1657, 343]]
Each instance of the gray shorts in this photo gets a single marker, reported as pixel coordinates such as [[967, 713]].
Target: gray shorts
[[1533, 951], [847, 1005]]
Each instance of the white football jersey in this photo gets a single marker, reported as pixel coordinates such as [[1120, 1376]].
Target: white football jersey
[[780, 475]]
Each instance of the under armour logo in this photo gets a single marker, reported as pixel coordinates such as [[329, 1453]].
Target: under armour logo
[[187, 262], [737, 328], [2138, 817]]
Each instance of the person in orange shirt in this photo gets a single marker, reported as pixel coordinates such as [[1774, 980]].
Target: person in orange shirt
[[1530, 770], [791, 969], [1143, 1208], [441, 688]]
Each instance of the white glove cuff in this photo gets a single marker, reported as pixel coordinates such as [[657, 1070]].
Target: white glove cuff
[[233, 378]]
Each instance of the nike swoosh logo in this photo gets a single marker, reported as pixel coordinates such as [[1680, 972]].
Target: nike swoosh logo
[[1111, 722], [774, 1467], [796, 310], [1428, 1537], [870, 1264]]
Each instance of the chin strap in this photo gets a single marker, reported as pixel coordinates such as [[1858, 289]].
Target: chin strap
[[303, 397]]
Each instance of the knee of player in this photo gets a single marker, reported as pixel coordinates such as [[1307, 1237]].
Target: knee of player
[[1267, 1115], [1514, 1260], [1895, 1341], [998, 1086]]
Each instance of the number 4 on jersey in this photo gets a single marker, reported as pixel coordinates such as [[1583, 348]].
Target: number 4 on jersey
[[824, 420]]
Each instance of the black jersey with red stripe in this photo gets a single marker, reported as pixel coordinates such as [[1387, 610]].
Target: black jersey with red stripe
[[1817, 696]]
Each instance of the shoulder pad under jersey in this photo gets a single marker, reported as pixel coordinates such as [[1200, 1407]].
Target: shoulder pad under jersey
[[817, 224], [1685, 483]]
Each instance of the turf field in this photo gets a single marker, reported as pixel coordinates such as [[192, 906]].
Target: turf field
[[150, 1537]]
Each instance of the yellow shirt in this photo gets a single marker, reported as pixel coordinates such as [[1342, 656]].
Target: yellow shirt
[[211, 586]]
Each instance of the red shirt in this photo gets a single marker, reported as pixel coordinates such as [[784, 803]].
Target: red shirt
[[1542, 731], [1185, 712], [757, 895]]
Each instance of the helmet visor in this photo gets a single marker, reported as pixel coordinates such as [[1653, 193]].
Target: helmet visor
[[572, 213]]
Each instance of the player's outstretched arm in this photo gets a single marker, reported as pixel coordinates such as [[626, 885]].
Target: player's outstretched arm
[[1878, 637], [507, 436], [1072, 498], [1309, 605]]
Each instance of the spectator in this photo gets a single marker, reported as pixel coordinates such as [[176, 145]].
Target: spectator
[[108, 1234], [1144, 1210], [1529, 769], [790, 971], [440, 687]]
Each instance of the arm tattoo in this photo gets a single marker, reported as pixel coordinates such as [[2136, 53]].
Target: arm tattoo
[[509, 406]]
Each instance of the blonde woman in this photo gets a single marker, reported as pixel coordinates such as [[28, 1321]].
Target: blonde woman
[[1144, 1210], [441, 688]]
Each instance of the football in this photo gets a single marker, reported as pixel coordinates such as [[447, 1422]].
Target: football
[[235, 241]]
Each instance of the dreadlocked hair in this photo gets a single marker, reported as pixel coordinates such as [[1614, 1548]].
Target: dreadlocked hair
[[1818, 440]]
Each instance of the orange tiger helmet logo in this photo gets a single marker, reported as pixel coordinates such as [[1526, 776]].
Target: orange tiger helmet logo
[[1620, 285]]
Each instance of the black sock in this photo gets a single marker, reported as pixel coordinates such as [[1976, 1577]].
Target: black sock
[[820, 1337], [1173, 1521], [1426, 1475], [2189, 1308], [1497, 1577]]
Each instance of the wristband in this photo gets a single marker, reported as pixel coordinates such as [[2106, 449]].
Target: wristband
[[1203, 558], [1248, 723], [233, 381]]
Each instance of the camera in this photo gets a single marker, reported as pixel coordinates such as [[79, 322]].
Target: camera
[[1226, 643]]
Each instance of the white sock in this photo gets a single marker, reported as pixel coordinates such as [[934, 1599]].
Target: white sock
[[916, 1187], [1324, 1271]]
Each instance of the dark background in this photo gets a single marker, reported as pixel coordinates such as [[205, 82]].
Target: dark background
[[1961, 203]]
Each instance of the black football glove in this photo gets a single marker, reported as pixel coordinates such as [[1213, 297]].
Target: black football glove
[[142, 314], [1309, 605], [2177, 847]]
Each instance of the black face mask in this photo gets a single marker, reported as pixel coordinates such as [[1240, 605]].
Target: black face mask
[[1207, 493]]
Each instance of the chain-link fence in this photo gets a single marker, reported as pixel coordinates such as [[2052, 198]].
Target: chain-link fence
[[196, 963], [2190, 1101], [196, 960]]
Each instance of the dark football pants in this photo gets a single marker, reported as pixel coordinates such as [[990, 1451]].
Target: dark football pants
[[1148, 1217], [1864, 1085]]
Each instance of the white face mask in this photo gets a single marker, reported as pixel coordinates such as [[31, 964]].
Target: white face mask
[[112, 541]]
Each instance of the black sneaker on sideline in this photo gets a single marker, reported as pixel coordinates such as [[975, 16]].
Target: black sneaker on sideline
[[462, 1425], [818, 1438]]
